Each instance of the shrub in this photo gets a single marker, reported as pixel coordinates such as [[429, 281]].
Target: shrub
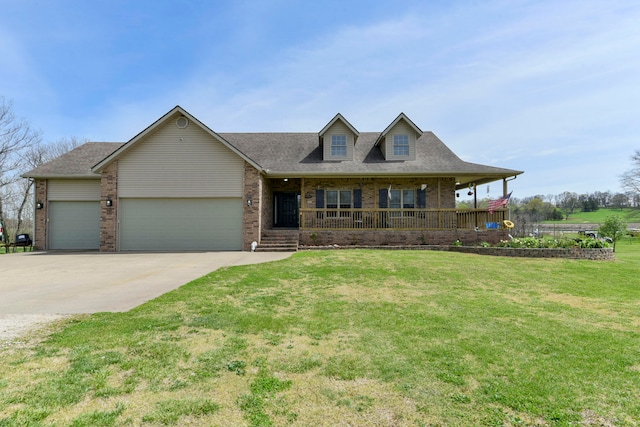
[[532, 242]]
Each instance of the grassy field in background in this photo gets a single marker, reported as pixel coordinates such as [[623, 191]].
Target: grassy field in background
[[599, 216], [358, 338]]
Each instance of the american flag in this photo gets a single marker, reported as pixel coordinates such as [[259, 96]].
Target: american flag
[[499, 203]]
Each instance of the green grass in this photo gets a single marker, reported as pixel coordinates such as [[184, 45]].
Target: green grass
[[366, 338], [599, 216]]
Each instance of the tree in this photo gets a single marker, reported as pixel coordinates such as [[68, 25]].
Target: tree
[[569, 202], [613, 227], [32, 157], [619, 201], [16, 136], [603, 197], [589, 203], [630, 180]]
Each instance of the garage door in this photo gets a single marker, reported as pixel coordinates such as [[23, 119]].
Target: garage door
[[74, 225], [180, 224]]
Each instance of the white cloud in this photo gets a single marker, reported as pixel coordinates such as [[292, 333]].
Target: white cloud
[[515, 84]]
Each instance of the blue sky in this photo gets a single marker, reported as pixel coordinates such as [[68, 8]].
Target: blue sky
[[548, 87]]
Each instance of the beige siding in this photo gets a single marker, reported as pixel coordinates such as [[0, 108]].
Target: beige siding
[[174, 162], [338, 128], [74, 189], [401, 128]]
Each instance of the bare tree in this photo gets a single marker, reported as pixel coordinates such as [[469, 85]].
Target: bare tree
[[619, 201], [630, 180], [16, 135], [569, 202], [32, 157]]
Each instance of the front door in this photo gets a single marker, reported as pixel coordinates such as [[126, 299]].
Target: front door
[[285, 209]]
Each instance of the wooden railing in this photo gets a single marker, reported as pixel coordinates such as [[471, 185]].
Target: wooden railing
[[400, 219]]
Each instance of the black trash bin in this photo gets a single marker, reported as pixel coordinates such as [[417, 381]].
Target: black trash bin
[[23, 240]]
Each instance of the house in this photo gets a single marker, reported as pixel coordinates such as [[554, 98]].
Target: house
[[178, 185]]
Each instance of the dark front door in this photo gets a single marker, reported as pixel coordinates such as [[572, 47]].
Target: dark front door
[[286, 209]]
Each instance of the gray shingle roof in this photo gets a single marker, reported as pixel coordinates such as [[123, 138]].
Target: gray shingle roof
[[300, 153], [76, 163]]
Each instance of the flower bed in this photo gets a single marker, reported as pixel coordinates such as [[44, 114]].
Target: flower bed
[[531, 247], [547, 243]]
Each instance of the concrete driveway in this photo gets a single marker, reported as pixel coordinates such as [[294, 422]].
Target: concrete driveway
[[69, 283]]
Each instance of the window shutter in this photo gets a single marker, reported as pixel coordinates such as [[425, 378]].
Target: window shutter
[[422, 198], [319, 199], [384, 194], [357, 199]]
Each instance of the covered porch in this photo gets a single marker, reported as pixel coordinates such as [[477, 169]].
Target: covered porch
[[369, 211], [400, 219]]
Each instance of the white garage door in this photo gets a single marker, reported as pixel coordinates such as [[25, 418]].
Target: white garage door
[[74, 225], [180, 224]]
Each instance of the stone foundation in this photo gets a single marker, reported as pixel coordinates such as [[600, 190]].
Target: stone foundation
[[399, 237]]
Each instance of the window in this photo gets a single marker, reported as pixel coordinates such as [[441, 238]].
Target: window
[[338, 145], [402, 199], [401, 145], [338, 199]]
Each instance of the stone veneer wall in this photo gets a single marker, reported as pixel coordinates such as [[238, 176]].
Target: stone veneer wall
[[109, 215], [251, 217], [40, 226]]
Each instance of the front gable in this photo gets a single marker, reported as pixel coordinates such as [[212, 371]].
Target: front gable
[[180, 159], [182, 120], [398, 140], [177, 156], [338, 139]]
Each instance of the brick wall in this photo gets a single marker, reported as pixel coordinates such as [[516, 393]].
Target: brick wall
[[109, 215], [40, 226], [440, 191], [252, 217], [387, 237]]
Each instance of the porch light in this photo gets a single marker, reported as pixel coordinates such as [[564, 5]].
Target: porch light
[[286, 179], [109, 203], [249, 202], [39, 205]]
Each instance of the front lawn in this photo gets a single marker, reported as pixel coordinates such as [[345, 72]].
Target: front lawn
[[359, 338]]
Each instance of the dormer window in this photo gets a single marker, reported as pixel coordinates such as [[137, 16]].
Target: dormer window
[[337, 140], [398, 141], [401, 145], [338, 145]]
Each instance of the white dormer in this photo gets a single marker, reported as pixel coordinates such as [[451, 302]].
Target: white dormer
[[398, 140], [337, 139]]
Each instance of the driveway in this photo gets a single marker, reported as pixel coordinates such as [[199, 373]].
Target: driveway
[[69, 283]]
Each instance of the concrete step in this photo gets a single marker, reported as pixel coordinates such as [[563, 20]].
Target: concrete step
[[279, 241]]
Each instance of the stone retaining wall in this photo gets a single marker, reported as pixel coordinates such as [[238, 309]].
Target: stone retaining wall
[[595, 254]]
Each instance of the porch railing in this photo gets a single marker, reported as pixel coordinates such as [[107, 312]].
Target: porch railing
[[400, 219]]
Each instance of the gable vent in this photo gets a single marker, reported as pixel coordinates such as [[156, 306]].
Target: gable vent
[[182, 122]]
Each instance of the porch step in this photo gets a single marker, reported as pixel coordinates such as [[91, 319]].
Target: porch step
[[279, 241]]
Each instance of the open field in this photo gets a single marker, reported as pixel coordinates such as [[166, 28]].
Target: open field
[[352, 338], [598, 217]]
